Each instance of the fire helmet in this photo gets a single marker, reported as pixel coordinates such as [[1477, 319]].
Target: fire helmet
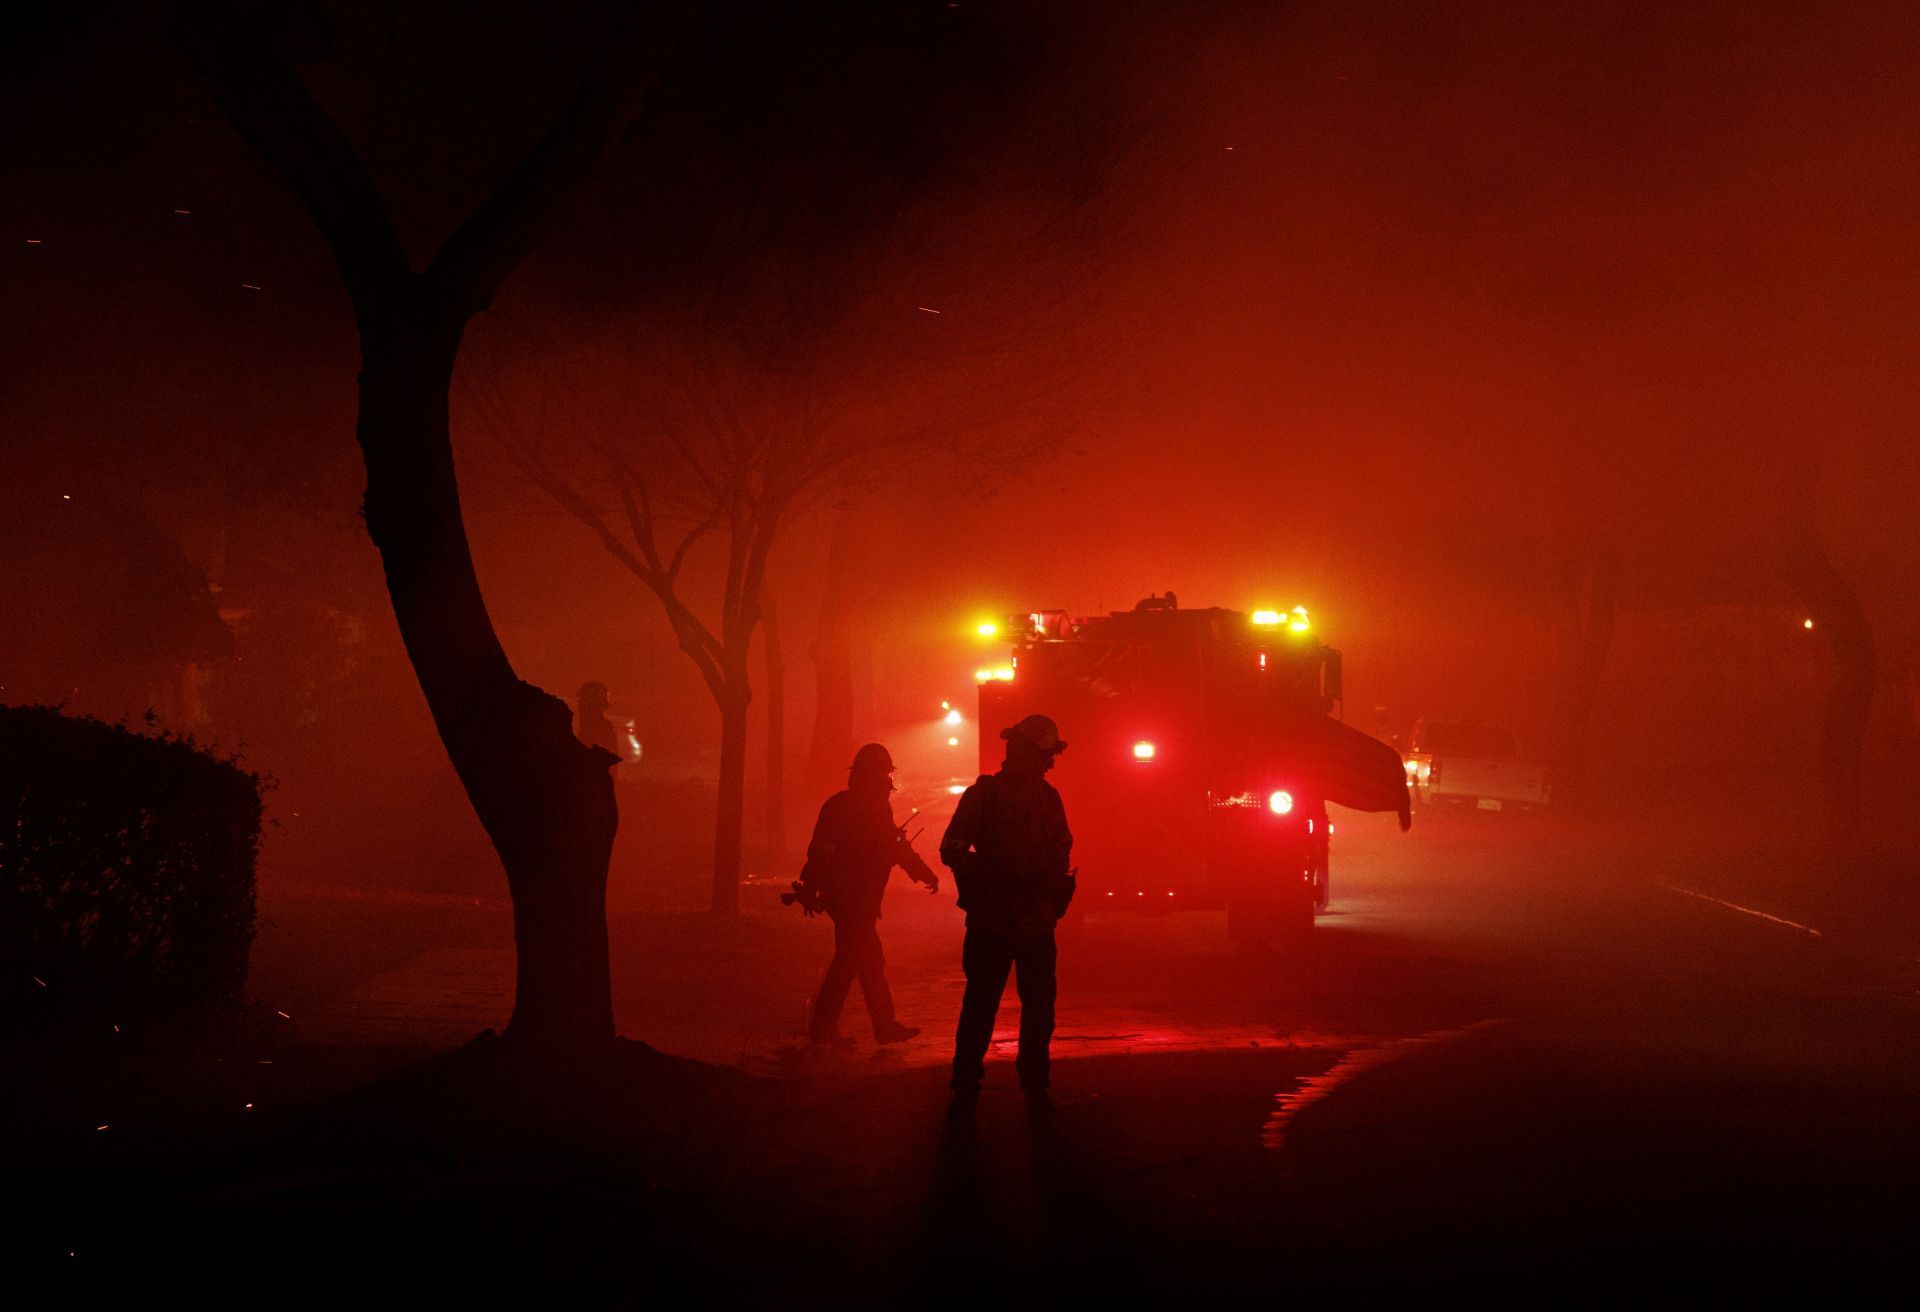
[[1037, 731], [872, 759]]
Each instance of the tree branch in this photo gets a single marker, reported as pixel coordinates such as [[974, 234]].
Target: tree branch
[[694, 534], [506, 226], [639, 512], [255, 87]]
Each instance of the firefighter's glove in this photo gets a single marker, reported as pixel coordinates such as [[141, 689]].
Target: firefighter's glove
[[964, 866], [1063, 890], [917, 869], [805, 896]]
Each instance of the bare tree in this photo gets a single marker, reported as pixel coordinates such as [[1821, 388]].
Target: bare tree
[[715, 454], [828, 324], [830, 746], [545, 800], [776, 794], [667, 496]]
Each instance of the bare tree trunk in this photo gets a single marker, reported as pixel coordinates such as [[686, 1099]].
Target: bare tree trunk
[[730, 813], [831, 747], [545, 799], [1837, 614], [776, 739], [1590, 592]]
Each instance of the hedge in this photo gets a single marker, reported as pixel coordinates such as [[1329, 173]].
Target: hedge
[[126, 874]]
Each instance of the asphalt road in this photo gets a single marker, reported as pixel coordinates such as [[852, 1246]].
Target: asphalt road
[[1531, 1064], [1507, 1062]]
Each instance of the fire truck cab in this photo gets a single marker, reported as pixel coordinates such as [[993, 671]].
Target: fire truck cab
[[1202, 756]]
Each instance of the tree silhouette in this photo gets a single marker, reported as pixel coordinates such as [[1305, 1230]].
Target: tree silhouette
[[824, 313], [545, 800]]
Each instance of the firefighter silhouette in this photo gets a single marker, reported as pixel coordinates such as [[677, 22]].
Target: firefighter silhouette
[[854, 848], [591, 725], [1008, 846]]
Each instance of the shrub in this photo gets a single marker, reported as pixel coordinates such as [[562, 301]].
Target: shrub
[[126, 873]]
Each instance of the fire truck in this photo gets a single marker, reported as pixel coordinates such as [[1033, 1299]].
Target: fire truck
[[1204, 749]]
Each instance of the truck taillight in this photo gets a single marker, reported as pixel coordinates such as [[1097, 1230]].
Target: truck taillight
[[1280, 803], [1144, 751]]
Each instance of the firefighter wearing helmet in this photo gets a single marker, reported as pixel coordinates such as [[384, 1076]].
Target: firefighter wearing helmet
[[854, 849], [591, 725], [1008, 846]]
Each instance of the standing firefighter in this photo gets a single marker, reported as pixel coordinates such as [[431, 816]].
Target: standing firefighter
[[1008, 847], [855, 847], [591, 725]]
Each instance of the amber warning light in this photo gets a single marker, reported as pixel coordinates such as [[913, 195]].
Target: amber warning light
[[1293, 621]]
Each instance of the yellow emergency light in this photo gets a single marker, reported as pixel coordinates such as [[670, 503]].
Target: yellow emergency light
[[1293, 621]]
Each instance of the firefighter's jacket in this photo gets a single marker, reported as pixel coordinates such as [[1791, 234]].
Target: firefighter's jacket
[[1008, 846], [855, 846]]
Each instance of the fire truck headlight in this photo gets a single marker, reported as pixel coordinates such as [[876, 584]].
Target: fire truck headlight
[[1266, 618], [1002, 673], [1297, 621], [1144, 751], [987, 629], [1413, 767], [953, 717], [1279, 802]]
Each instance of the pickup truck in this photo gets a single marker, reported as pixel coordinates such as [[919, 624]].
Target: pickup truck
[[1453, 765]]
